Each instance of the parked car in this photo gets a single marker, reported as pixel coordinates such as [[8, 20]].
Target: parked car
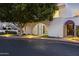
[[8, 30]]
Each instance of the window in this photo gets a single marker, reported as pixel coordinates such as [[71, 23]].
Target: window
[[4, 28], [56, 14]]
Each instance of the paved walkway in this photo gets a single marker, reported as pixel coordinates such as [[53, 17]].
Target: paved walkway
[[69, 39]]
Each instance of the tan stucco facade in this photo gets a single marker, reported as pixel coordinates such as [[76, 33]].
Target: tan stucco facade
[[29, 28]]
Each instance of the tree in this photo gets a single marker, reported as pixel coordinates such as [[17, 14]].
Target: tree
[[35, 12], [6, 12], [23, 13]]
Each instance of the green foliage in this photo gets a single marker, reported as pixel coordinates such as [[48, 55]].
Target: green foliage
[[45, 36], [27, 12], [6, 12]]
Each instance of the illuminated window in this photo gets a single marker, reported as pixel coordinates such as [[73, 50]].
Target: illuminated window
[[56, 14]]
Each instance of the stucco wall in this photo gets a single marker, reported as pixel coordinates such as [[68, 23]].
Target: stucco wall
[[67, 12], [56, 27], [29, 27]]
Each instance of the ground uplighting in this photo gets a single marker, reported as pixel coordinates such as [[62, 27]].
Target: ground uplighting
[[34, 36], [72, 38], [30, 36], [7, 35]]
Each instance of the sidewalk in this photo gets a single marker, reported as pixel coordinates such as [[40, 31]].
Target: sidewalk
[[68, 39]]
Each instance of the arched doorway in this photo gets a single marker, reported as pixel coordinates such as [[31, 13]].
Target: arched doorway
[[40, 29], [69, 28]]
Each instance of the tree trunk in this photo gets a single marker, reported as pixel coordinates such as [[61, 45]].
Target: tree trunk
[[20, 29]]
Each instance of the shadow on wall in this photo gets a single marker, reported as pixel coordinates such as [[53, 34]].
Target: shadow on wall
[[40, 29]]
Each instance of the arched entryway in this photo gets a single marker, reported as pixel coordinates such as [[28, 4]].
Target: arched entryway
[[40, 29], [69, 28]]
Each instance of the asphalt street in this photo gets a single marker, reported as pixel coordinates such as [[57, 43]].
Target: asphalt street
[[39, 47]]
